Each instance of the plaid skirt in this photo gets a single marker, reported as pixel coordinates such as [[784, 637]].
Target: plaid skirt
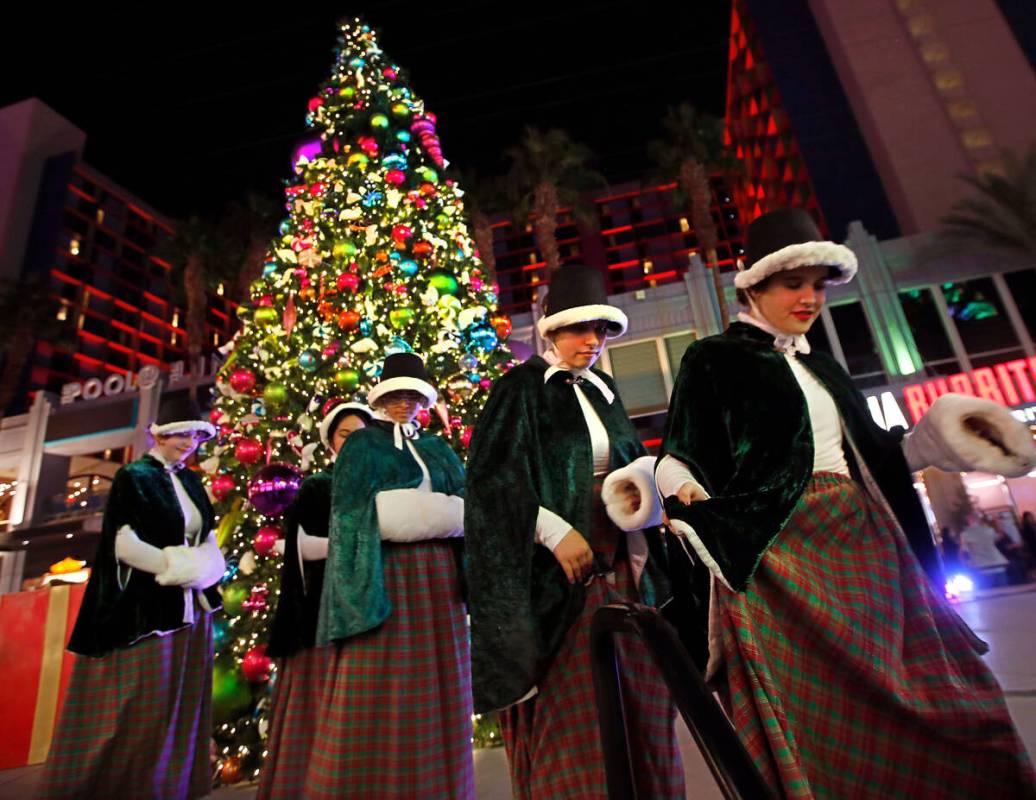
[[137, 722], [553, 740], [850, 676], [395, 720], [294, 710]]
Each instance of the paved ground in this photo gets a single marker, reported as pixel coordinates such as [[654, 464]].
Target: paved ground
[[1005, 618]]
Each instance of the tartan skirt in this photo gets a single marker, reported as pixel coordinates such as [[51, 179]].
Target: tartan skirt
[[295, 707], [553, 740], [396, 712], [137, 723], [850, 676]]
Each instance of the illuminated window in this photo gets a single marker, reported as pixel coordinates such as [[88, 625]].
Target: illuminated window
[[73, 247]]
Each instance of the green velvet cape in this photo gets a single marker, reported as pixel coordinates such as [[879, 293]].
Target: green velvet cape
[[739, 420], [531, 448], [354, 599], [298, 604], [142, 496]]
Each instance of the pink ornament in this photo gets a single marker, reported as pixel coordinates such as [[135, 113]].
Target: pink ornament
[[421, 203], [222, 485], [256, 602], [264, 540], [485, 383], [476, 284], [348, 281], [266, 300], [465, 436], [401, 290], [455, 422], [395, 177], [248, 451], [389, 73], [401, 233], [255, 666], [368, 144], [424, 416], [242, 380]]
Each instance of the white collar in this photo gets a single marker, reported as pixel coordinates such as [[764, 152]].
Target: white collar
[[557, 365], [400, 430], [156, 454], [785, 342]]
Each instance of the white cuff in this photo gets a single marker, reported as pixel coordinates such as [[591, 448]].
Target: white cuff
[[311, 548], [670, 476], [130, 551], [194, 567], [412, 515], [639, 476], [550, 529], [940, 439]]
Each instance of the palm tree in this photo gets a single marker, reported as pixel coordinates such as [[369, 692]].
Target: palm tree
[[26, 315], [484, 197], [549, 170], [1001, 215], [690, 148]]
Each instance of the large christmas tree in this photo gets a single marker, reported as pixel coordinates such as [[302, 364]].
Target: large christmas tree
[[373, 258]]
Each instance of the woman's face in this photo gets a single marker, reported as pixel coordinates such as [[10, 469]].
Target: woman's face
[[346, 426], [402, 406], [580, 345], [791, 300], [177, 448]]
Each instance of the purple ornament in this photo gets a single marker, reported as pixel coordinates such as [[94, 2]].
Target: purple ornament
[[273, 488]]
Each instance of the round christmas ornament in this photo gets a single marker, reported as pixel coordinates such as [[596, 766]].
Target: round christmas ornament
[[348, 380], [275, 395], [395, 177], [401, 233], [273, 488], [232, 771], [266, 316], [424, 416], [422, 249], [399, 317], [309, 360], [234, 597], [222, 485], [265, 539], [379, 122], [348, 282], [444, 282], [256, 601], [348, 320], [482, 337], [256, 665], [408, 267], [230, 694], [468, 362], [459, 388], [248, 451]]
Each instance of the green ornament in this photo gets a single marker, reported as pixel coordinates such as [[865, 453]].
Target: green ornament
[[444, 282], [244, 312], [428, 174], [275, 395], [442, 220], [399, 317], [231, 696], [400, 109], [267, 316], [348, 380], [379, 121], [233, 598], [309, 360], [344, 249], [348, 92]]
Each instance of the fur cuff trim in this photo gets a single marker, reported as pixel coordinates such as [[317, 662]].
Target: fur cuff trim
[[941, 439], [804, 254], [640, 475], [183, 567], [570, 316], [413, 515], [400, 384], [184, 426]]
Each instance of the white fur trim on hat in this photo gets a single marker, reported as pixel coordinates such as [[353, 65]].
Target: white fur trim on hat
[[402, 384], [324, 429], [577, 314], [803, 254], [640, 475], [173, 428], [941, 440]]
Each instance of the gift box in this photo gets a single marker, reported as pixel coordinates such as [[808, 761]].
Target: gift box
[[35, 668]]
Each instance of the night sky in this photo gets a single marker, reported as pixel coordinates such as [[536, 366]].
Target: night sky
[[193, 109]]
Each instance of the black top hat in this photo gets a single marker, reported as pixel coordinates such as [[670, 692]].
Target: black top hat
[[178, 413], [788, 238], [402, 371], [577, 294]]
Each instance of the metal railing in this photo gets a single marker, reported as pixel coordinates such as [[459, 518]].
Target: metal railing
[[731, 766]]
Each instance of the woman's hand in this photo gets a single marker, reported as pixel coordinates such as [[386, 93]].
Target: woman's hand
[[691, 493], [575, 556], [632, 495]]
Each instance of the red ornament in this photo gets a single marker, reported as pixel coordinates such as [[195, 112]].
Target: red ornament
[[389, 73], [231, 771], [422, 249], [465, 436], [348, 280], [455, 422], [242, 380], [502, 325], [348, 320], [248, 451], [368, 144], [266, 300], [255, 666], [428, 189], [222, 485], [214, 415], [264, 540], [424, 416], [402, 232], [395, 177], [226, 430], [315, 103], [256, 601]]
